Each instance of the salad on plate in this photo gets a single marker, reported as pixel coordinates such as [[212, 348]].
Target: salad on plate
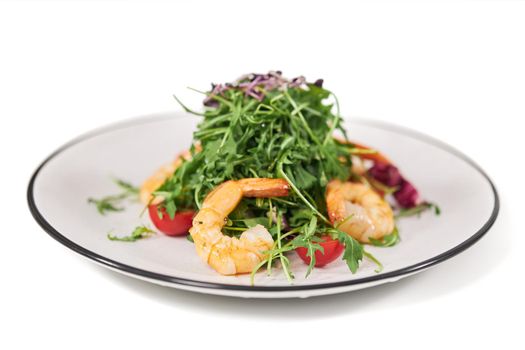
[[272, 172]]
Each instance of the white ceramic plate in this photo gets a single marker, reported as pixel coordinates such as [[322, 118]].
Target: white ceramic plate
[[132, 150]]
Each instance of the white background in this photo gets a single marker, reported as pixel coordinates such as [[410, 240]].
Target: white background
[[455, 70]]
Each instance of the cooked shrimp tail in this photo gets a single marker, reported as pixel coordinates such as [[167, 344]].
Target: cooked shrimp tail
[[376, 156], [153, 182], [358, 210], [231, 255]]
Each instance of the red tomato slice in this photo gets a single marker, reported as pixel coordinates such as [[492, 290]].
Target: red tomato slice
[[332, 250], [178, 226]]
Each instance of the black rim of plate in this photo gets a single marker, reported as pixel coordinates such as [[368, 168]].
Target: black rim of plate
[[209, 285]]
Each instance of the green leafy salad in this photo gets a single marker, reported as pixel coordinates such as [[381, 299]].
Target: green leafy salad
[[267, 126]]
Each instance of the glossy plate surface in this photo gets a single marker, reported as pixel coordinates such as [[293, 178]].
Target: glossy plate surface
[[132, 150]]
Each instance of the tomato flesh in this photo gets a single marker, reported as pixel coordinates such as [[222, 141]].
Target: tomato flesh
[[332, 250], [178, 226]]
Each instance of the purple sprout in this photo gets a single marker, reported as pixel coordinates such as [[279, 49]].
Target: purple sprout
[[296, 82], [256, 85], [284, 224], [216, 89]]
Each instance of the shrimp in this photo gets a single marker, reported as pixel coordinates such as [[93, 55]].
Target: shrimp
[[231, 255], [358, 210], [358, 166], [376, 157], [162, 174]]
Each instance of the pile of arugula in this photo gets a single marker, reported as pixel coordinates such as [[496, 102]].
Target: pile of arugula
[[267, 126]]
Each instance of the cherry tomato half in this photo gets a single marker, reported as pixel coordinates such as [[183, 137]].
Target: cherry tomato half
[[332, 250], [177, 226]]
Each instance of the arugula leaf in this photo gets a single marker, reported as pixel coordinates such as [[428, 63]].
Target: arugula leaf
[[418, 210], [303, 178], [127, 187], [113, 203], [251, 222], [107, 204], [353, 253], [312, 246], [388, 240], [386, 190], [285, 262], [139, 232], [374, 259]]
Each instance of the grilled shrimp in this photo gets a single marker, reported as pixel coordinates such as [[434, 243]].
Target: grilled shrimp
[[358, 210], [376, 156], [231, 255], [157, 179]]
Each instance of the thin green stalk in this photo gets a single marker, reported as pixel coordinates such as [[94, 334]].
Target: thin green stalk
[[280, 200], [374, 259], [301, 116], [299, 194], [233, 228], [186, 108], [254, 271], [284, 260], [343, 221]]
